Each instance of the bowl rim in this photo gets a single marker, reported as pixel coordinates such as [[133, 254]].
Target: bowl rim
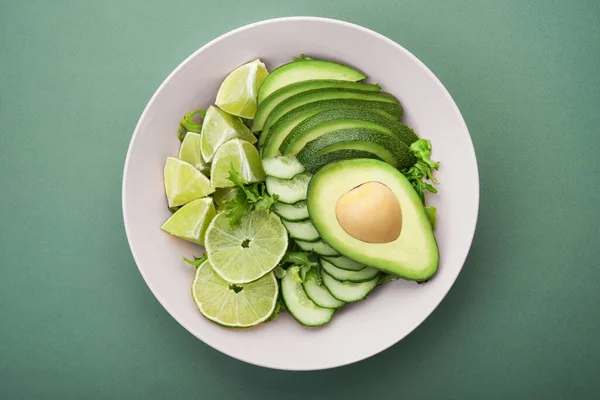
[[368, 31]]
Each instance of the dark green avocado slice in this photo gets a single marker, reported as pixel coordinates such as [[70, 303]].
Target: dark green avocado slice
[[334, 119]]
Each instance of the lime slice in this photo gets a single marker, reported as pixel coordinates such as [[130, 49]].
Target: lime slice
[[222, 195], [245, 253], [190, 221], [184, 183], [190, 152], [239, 91], [245, 160], [219, 127], [231, 305]]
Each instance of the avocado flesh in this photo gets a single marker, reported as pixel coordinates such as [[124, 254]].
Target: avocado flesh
[[275, 98], [400, 155], [413, 255], [325, 121], [306, 70], [271, 140]]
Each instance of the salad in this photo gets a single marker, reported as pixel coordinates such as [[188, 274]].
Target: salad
[[305, 190]]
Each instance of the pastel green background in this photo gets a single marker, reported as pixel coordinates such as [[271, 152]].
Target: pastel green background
[[76, 318]]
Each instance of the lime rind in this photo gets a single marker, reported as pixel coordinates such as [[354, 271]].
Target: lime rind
[[244, 158], [219, 302], [249, 251], [191, 221], [239, 91], [184, 183], [218, 128], [190, 152]]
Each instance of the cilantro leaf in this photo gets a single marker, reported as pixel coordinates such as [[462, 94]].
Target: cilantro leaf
[[422, 170], [237, 208], [247, 198], [279, 307], [188, 124], [299, 258], [197, 261]]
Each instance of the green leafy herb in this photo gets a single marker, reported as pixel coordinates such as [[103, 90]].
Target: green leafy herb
[[302, 57], [279, 307], [197, 261], [431, 213], [422, 169], [188, 124], [299, 258], [279, 272], [385, 278], [247, 198], [295, 271]]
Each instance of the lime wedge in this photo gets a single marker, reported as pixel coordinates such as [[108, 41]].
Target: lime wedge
[[190, 152], [245, 160], [239, 91], [230, 305], [219, 127], [245, 253], [190, 221], [184, 183]]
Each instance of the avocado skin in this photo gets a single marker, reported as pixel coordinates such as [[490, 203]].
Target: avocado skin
[[394, 110], [404, 157], [301, 87], [405, 133], [319, 162]]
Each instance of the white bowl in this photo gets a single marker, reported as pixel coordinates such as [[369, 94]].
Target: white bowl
[[359, 330]]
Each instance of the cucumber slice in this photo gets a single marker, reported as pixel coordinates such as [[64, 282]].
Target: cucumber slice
[[365, 274], [314, 289], [302, 308], [348, 291], [303, 230], [345, 263], [290, 191], [282, 167], [319, 247], [273, 100], [292, 212]]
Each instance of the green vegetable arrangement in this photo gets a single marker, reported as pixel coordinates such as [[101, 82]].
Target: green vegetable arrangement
[[280, 217]]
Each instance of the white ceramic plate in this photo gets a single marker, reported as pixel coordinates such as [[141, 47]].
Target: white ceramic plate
[[359, 330]]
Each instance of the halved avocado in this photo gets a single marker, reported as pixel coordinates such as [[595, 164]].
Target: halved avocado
[[330, 120], [369, 150], [369, 212], [304, 71], [268, 104], [401, 156], [271, 140]]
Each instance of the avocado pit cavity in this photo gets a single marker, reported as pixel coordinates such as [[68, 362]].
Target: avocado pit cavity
[[370, 213]]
